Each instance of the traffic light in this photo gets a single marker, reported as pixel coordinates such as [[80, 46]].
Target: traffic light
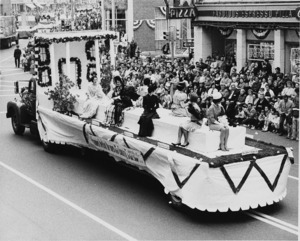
[[177, 34], [166, 36]]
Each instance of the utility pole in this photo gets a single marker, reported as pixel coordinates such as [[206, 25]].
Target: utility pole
[[103, 15], [113, 14]]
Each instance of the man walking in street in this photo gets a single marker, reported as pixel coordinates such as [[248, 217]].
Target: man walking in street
[[17, 56]]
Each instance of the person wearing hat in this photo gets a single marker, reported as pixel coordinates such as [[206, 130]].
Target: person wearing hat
[[179, 101], [213, 113], [191, 125], [17, 56]]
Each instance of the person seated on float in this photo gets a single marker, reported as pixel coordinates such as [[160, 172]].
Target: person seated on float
[[191, 125], [94, 94], [179, 104], [142, 91], [150, 104], [120, 101], [214, 115]]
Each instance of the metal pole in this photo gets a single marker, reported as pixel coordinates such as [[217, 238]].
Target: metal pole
[[113, 13], [103, 15]]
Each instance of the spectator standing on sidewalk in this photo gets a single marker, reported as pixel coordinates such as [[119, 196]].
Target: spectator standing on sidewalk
[[17, 56], [284, 108]]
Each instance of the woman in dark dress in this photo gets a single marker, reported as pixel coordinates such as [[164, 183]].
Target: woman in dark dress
[[121, 100], [191, 125], [150, 104]]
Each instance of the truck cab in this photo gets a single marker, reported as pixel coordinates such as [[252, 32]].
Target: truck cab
[[22, 111]]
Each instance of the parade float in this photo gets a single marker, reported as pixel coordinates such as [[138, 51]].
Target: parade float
[[251, 174]]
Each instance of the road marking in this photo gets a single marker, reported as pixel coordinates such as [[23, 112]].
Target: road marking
[[4, 75], [15, 95], [69, 203], [11, 86], [5, 59], [10, 70], [5, 90], [295, 178], [273, 221], [2, 112]]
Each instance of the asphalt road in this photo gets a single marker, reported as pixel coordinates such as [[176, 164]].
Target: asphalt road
[[65, 196]]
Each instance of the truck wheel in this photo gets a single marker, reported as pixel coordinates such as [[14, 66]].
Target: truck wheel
[[18, 129], [48, 147], [175, 202]]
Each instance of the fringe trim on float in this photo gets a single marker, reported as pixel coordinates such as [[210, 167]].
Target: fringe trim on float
[[261, 33], [137, 24], [226, 32], [243, 208], [150, 23]]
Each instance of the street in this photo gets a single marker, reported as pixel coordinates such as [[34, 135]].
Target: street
[[66, 196]]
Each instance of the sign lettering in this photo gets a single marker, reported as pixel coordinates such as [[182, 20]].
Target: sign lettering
[[132, 156], [177, 13], [250, 13]]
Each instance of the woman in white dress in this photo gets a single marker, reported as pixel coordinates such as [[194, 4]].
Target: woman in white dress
[[94, 95]]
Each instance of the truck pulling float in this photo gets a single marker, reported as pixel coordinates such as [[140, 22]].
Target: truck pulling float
[[252, 174]]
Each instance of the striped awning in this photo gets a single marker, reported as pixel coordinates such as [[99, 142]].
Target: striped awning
[[30, 5]]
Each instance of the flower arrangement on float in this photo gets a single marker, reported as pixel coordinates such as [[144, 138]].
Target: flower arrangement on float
[[63, 100]]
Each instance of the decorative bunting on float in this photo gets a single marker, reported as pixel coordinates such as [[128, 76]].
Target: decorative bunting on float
[[137, 24], [261, 33], [226, 32], [150, 23], [252, 165], [163, 10], [72, 39]]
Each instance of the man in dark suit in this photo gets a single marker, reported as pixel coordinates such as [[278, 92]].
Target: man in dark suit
[[17, 56]]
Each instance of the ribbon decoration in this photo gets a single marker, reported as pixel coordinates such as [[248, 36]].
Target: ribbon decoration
[[226, 32], [137, 24], [163, 10], [261, 33], [150, 23]]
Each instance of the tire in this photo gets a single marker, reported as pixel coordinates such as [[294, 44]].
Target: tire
[[18, 129], [175, 202], [48, 147]]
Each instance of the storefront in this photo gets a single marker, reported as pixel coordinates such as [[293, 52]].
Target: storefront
[[249, 31]]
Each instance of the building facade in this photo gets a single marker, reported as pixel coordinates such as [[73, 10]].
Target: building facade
[[5, 7], [249, 31]]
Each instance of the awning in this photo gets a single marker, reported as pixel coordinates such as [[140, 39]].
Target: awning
[[38, 5], [30, 5]]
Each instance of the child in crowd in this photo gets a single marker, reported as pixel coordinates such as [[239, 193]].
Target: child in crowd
[[240, 116], [274, 125], [269, 118], [261, 120]]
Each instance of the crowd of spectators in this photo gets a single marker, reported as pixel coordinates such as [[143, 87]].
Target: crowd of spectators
[[254, 96]]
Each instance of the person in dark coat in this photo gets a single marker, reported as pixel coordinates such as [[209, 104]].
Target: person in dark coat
[[17, 56], [150, 104]]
